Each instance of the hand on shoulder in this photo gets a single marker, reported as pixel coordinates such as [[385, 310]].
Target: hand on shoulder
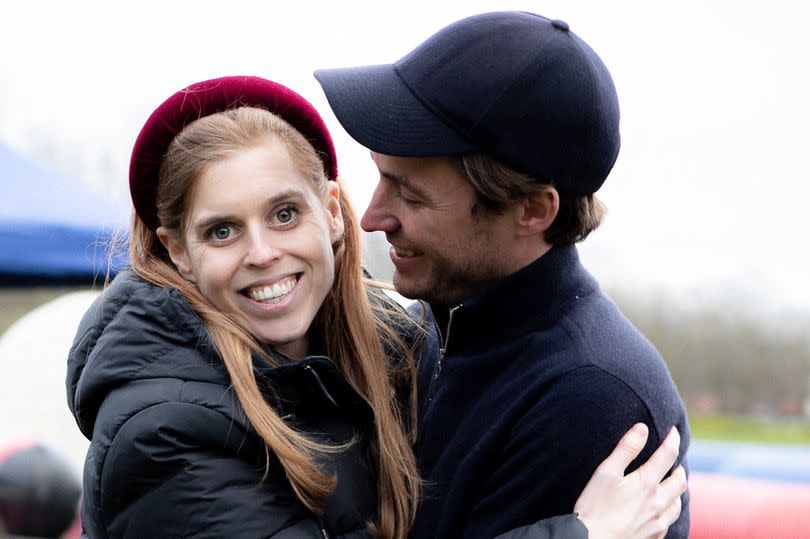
[[639, 505]]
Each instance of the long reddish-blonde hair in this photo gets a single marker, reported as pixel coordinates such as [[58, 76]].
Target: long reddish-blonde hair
[[356, 330]]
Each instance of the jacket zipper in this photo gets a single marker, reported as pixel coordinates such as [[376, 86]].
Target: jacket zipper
[[322, 387], [444, 342]]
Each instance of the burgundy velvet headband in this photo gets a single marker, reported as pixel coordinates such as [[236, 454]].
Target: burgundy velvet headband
[[209, 97]]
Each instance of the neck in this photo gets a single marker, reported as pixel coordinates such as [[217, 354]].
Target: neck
[[295, 349], [525, 251]]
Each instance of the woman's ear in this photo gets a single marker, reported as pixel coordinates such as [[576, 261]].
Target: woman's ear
[[536, 212], [334, 211], [177, 252]]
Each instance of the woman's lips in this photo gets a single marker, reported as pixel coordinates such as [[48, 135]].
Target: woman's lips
[[275, 293]]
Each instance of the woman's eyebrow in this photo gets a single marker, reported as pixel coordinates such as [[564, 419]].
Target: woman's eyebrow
[[207, 221]]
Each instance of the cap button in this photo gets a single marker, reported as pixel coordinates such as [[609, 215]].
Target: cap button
[[560, 25]]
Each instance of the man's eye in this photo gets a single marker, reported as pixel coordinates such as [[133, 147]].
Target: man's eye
[[408, 200], [406, 197], [286, 214]]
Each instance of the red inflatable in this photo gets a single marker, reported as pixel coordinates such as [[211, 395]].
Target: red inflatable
[[727, 507]]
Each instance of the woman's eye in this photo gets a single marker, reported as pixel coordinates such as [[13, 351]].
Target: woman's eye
[[286, 214], [220, 232]]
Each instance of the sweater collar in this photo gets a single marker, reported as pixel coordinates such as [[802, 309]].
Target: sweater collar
[[534, 294]]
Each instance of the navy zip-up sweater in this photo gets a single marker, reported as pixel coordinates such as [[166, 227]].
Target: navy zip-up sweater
[[541, 376]]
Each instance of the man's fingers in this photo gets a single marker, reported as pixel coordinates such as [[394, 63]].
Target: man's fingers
[[628, 448], [663, 459]]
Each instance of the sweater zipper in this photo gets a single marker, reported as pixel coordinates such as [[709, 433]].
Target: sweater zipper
[[322, 526], [444, 342]]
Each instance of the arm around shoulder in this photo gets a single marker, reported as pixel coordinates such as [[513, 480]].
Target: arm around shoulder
[[613, 504], [559, 527], [549, 454]]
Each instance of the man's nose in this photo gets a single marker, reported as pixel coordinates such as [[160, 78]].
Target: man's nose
[[379, 215]]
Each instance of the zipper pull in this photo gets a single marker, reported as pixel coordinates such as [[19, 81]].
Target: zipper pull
[[440, 363], [322, 387], [445, 342], [322, 526]]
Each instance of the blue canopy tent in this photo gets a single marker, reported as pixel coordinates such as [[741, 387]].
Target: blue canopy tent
[[53, 228]]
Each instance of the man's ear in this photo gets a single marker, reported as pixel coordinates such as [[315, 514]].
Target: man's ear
[[538, 211], [177, 252], [334, 211]]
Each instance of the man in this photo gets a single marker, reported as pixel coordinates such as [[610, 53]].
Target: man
[[491, 139]]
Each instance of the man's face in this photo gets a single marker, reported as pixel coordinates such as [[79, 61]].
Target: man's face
[[442, 251]]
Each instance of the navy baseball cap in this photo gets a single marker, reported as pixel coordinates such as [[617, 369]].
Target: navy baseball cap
[[518, 86]]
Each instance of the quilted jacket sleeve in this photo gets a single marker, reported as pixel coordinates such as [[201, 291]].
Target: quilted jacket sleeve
[[169, 473], [560, 527]]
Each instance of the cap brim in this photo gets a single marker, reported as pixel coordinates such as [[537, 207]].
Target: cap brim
[[379, 111]]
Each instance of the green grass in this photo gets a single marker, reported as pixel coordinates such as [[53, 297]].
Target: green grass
[[749, 429]]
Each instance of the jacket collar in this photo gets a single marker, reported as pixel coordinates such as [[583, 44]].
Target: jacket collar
[[313, 387]]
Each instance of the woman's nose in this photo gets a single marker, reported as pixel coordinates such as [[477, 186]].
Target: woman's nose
[[261, 252]]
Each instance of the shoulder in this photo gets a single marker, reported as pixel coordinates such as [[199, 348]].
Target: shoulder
[[602, 336], [135, 332], [131, 300], [595, 321], [590, 408], [595, 332], [161, 418], [182, 466], [132, 311], [601, 374], [164, 429], [588, 392]]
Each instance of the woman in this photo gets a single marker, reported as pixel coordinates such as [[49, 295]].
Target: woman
[[245, 379]]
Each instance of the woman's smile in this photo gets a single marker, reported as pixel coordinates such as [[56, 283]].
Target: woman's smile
[[272, 294]]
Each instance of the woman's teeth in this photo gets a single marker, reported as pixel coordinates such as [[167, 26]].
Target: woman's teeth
[[273, 293]]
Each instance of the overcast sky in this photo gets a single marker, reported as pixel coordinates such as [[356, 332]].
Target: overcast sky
[[707, 202]]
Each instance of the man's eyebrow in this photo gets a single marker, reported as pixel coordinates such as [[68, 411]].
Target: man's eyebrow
[[403, 182], [395, 178]]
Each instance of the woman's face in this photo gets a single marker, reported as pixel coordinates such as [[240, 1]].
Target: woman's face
[[258, 243]]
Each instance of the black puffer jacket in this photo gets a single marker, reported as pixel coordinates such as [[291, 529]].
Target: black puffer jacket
[[172, 454]]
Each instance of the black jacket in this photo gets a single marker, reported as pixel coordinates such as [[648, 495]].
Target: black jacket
[[542, 376], [172, 453]]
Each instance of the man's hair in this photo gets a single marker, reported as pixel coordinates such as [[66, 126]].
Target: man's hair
[[497, 186]]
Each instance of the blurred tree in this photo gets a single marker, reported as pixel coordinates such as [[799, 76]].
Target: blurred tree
[[721, 357]]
